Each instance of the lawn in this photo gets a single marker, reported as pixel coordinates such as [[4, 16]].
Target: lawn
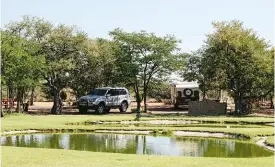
[[37, 157], [59, 122], [270, 140]]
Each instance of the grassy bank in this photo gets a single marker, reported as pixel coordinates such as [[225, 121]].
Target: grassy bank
[[36, 157], [60, 122], [270, 140]]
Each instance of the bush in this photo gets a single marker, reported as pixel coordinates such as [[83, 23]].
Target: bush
[[160, 91]]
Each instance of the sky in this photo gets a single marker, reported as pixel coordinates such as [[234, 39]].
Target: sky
[[188, 20]]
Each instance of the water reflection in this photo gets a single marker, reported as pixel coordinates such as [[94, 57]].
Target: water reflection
[[139, 144]]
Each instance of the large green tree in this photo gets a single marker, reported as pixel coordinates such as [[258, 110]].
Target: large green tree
[[94, 67], [31, 30], [263, 87], [231, 55], [19, 68], [60, 48], [144, 56]]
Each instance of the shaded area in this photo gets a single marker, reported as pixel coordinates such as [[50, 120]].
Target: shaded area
[[140, 144]]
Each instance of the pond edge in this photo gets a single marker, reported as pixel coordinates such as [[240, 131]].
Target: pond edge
[[221, 135]]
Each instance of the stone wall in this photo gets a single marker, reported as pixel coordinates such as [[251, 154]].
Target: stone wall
[[206, 107]]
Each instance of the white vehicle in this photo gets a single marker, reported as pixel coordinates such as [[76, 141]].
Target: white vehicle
[[102, 100], [183, 92]]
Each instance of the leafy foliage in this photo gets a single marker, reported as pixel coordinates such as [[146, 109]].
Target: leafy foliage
[[35, 52], [145, 56], [231, 60]]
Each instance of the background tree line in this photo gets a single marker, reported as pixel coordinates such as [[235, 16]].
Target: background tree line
[[235, 59], [36, 53]]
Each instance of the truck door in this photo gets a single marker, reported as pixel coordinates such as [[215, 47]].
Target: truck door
[[116, 97], [122, 96], [110, 97]]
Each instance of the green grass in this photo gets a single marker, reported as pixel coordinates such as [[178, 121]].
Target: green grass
[[270, 140], [210, 125], [37, 157], [19, 122], [59, 122]]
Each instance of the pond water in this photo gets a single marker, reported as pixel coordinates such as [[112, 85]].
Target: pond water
[[139, 144]]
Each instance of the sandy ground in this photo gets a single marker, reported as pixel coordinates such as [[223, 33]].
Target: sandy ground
[[49, 104], [154, 108]]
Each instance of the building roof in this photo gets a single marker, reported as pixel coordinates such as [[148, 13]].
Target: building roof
[[111, 88], [185, 84]]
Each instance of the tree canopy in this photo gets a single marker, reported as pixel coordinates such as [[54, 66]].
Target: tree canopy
[[145, 57], [34, 51], [233, 58]]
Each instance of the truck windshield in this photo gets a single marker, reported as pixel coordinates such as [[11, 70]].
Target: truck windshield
[[98, 92]]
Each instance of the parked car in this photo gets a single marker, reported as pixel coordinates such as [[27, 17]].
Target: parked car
[[102, 100]]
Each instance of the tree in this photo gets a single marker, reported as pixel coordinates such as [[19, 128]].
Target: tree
[[159, 90], [198, 68], [94, 67], [263, 87], [61, 46], [32, 31], [231, 54], [144, 56], [19, 67]]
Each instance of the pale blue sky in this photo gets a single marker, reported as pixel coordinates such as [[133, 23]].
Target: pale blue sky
[[188, 20]]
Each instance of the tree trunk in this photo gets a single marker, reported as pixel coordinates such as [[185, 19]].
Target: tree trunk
[[9, 92], [19, 99], [271, 102], [145, 104], [32, 96], [203, 94], [57, 103], [138, 102], [2, 113], [145, 101], [203, 91], [237, 100], [220, 95]]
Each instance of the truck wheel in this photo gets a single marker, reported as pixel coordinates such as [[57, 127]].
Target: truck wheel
[[83, 110], [100, 109], [123, 107]]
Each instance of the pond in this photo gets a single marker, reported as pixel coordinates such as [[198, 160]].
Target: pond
[[139, 144]]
